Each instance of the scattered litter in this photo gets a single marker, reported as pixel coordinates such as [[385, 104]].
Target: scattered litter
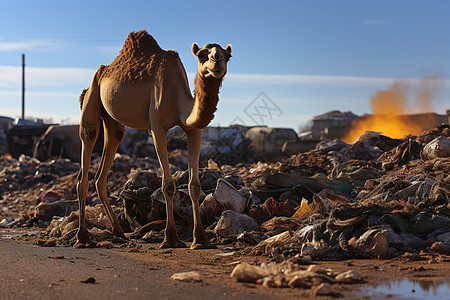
[[233, 223], [229, 197], [226, 254], [348, 276], [275, 241], [323, 289], [192, 276], [7, 223], [90, 280], [247, 273], [373, 242], [304, 208], [439, 147], [105, 244]]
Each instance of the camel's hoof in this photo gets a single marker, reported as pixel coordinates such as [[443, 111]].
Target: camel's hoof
[[177, 244], [88, 244], [120, 235], [197, 246], [210, 246]]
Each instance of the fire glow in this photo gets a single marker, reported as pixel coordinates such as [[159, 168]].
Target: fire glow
[[390, 110]]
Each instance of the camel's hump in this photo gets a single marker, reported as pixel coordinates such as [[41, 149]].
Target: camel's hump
[[140, 58], [139, 43]]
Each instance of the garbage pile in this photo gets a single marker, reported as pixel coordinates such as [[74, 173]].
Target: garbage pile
[[24, 182], [375, 198], [32, 192]]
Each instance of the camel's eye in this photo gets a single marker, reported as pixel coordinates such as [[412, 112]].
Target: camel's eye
[[202, 55]]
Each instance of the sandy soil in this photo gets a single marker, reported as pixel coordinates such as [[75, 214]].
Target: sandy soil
[[33, 272]]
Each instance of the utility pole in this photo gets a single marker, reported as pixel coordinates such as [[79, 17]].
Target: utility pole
[[23, 86]]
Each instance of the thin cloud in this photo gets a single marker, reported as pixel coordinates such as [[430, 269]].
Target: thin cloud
[[375, 22], [39, 77], [277, 79], [33, 114], [10, 76], [280, 79], [109, 49], [106, 44], [43, 95], [27, 44], [59, 76]]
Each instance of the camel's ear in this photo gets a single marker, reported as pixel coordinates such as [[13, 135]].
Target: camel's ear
[[228, 48], [195, 48]]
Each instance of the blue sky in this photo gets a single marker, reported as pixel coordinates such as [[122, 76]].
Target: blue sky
[[307, 57]]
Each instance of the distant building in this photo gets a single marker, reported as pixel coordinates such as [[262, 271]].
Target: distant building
[[428, 120], [5, 124], [333, 124]]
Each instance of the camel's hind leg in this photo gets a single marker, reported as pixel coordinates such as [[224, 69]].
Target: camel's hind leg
[[89, 127], [113, 133]]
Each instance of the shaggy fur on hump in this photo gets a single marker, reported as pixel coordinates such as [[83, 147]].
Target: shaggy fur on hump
[[206, 97], [139, 59]]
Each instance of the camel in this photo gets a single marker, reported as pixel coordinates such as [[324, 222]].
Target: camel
[[146, 87]]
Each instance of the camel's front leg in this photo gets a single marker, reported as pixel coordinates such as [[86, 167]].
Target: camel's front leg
[[171, 239], [194, 143]]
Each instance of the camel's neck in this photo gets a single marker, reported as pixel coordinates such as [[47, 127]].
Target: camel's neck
[[206, 95]]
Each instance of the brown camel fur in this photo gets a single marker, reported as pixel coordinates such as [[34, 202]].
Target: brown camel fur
[[146, 87]]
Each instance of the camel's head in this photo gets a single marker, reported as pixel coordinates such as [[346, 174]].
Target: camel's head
[[212, 60]]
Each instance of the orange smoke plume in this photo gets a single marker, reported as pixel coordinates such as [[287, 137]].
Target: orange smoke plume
[[391, 110]]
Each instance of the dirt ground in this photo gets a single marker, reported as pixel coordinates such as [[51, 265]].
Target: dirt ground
[[30, 271]]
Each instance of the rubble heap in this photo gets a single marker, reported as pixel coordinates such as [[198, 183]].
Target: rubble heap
[[376, 197]]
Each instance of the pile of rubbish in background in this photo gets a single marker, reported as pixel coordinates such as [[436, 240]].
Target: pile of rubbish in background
[[375, 198]]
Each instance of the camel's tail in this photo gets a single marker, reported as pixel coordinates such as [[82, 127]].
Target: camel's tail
[[81, 98], [96, 80]]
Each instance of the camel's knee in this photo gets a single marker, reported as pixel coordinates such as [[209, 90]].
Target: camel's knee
[[83, 181], [82, 185], [100, 185], [82, 178], [168, 188], [195, 188]]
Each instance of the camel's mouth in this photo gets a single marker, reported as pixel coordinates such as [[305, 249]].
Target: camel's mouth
[[216, 74]]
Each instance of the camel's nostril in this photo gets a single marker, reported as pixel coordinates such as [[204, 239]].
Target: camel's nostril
[[215, 55]]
